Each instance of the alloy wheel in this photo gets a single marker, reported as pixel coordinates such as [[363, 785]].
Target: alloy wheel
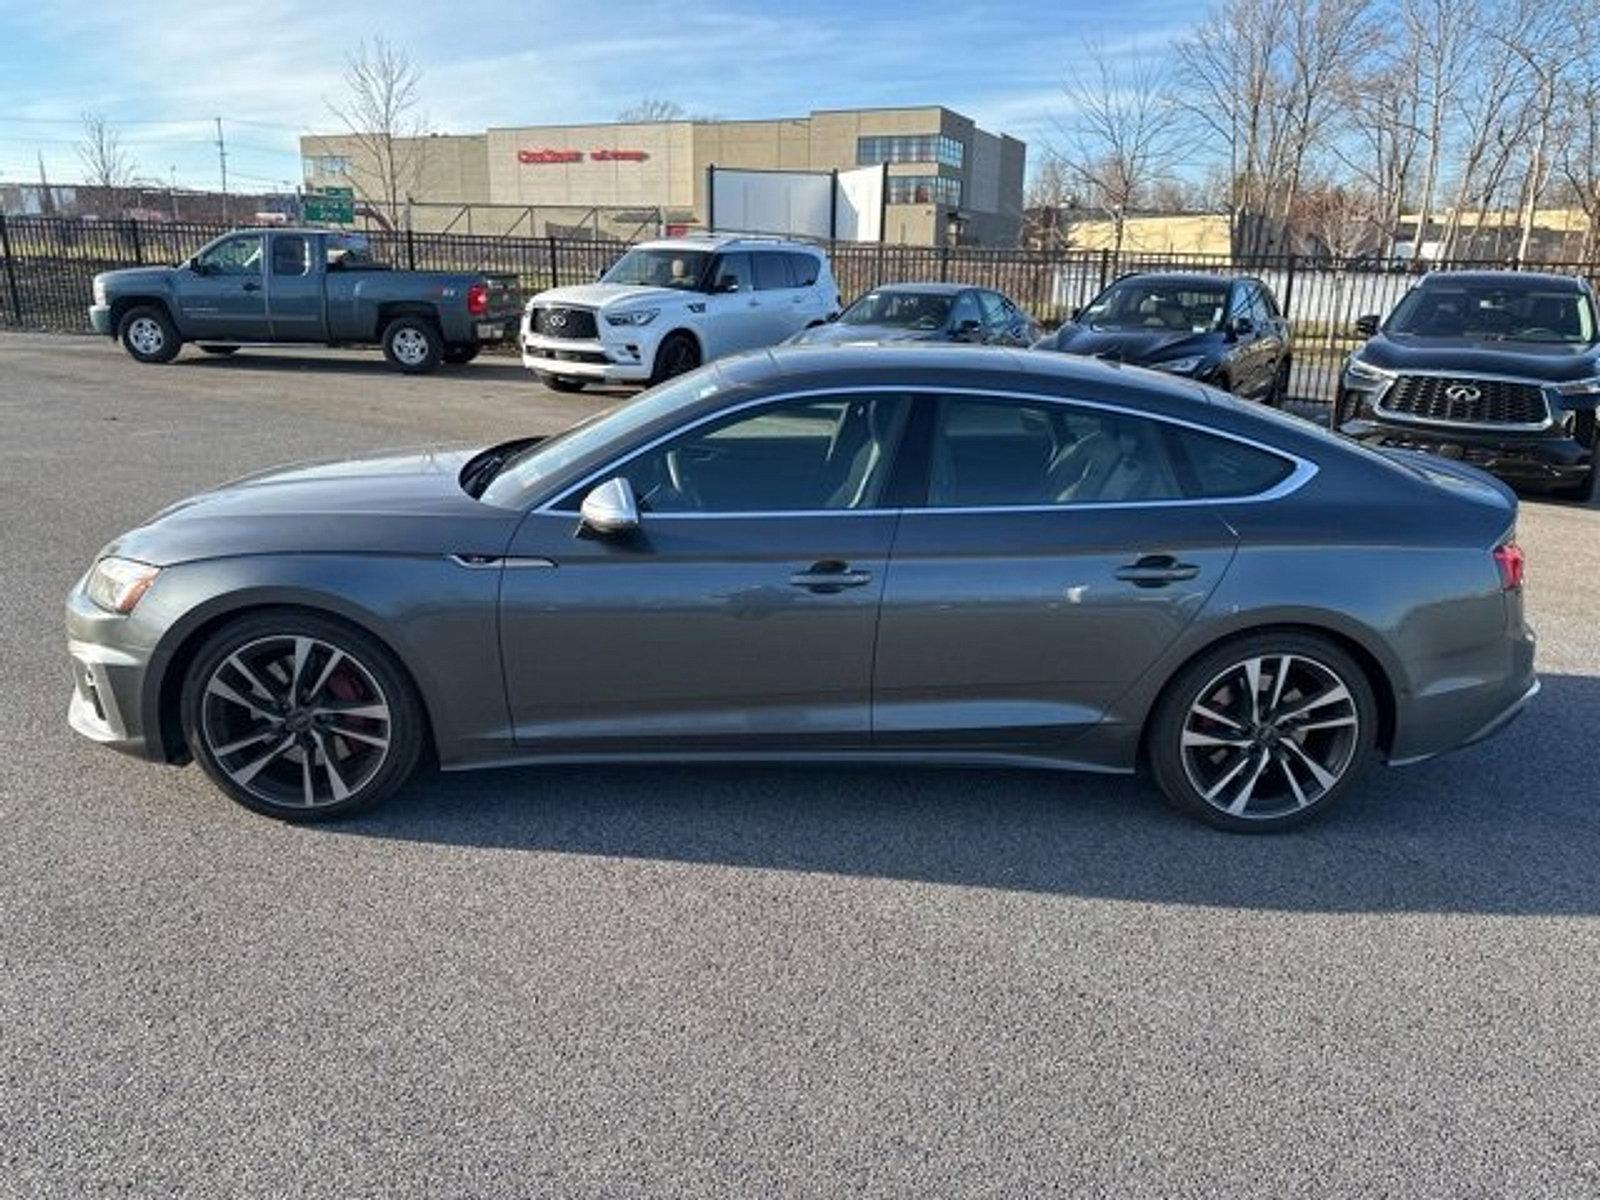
[[146, 335], [1270, 735], [410, 346], [296, 721]]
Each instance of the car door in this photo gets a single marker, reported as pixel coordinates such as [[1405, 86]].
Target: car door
[[817, 302], [221, 294], [1055, 558], [782, 303], [741, 613], [735, 319], [294, 288]]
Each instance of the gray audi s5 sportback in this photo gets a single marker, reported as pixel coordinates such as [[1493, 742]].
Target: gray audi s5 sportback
[[956, 555]]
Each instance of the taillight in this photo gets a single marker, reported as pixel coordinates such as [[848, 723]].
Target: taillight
[[1508, 557], [478, 299]]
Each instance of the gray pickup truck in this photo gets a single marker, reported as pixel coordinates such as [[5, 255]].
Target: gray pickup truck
[[266, 286]]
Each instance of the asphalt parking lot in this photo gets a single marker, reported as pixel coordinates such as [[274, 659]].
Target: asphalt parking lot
[[743, 981]]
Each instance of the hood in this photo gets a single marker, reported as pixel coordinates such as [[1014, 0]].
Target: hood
[[1136, 346], [133, 277], [612, 295], [1541, 361], [837, 333], [407, 502]]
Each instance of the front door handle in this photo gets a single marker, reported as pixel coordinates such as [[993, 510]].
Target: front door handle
[[1157, 570], [252, 287], [829, 576]]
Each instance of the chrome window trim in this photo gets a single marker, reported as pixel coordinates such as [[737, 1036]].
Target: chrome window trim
[[1301, 474], [1544, 387]]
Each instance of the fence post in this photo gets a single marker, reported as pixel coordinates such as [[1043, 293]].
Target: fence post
[[555, 268], [11, 271], [1288, 288], [1105, 266], [133, 237], [944, 264]]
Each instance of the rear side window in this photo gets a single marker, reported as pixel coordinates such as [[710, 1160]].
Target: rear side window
[[1214, 468], [290, 255], [772, 271], [803, 267]]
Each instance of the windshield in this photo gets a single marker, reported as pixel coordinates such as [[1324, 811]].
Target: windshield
[[1517, 312], [1182, 306], [659, 268], [904, 310], [530, 468]]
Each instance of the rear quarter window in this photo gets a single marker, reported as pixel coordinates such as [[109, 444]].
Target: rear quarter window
[[803, 267], [1220, 469]]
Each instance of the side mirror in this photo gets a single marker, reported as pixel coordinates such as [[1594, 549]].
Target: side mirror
[[599, 274], [195, 265], [1242, 327], [728, 283], [967, 331], [1075, 313], [831, 318], [1367, 325], [610, 509]]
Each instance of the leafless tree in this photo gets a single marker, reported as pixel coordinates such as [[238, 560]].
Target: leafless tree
[[105, 163], [652, 108], [1121, 136], [1578, 135], [380, 111], [1049, 204], [1342, 221]]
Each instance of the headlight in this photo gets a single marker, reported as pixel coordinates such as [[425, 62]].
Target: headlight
[[634, 316], [116, 584], [1366, 372], [99, 289], [1581, 387], [1180, 366]]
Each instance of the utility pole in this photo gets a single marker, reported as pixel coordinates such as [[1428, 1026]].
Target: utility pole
[[222, 161], [173, 190]]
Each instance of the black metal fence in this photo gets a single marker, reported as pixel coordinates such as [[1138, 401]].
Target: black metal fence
[[47, 265]]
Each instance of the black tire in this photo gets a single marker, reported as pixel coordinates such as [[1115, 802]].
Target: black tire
[[219, 351], [678, 354], [148, 334], [1279, 391], [1234, 758], [561, 383], [331, 751], [458, 354], [413, 345], [1584, 490]]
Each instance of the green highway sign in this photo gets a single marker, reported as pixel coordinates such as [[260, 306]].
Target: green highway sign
[[333, 205]]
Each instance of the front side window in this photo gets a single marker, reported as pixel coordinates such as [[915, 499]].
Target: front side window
[[815, 454], [1515, 311], [994, 309], [771, 271], [803, 267], [899, 310], [1004, 452], [291, 255], [236, 256], [681, 269], [733, 273], [1177, 305], [966, 309]]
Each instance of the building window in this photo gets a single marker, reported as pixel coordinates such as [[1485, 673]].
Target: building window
[[919, 147], [327, 164], [925, 189]]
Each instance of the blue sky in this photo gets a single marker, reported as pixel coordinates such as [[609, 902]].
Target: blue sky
[[162, 71]]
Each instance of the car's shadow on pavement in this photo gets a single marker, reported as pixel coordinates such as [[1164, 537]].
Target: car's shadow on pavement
[[371, 362], [1510, 826]]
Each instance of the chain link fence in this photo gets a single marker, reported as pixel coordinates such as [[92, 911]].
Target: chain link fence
[[47, 265]]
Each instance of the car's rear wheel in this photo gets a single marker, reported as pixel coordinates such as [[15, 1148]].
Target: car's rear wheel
[[458, 354], [677, 355], [300, 717], [561, 383], [413, 344], [147, 333], [219, 351], [1264, 732]]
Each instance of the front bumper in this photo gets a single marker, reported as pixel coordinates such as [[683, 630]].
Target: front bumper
[[1551, 457], [100, 320], [588, 358], [110, 666]]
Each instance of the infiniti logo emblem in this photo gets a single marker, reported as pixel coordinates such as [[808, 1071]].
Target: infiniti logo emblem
[[557, 319], [1462, 393]]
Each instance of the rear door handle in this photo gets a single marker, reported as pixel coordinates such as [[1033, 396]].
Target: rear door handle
[[1157, 570], [828, 576]]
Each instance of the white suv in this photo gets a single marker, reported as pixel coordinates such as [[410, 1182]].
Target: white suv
[[668, 306]]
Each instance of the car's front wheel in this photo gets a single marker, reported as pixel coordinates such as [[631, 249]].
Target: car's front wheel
[[147, 333], [678, 354], [1264, 732], [300, 716]]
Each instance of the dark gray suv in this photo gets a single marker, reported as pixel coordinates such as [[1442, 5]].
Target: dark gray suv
[[945, 555]]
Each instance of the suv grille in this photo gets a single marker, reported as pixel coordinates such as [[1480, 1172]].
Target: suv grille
[[1467, 401], [558, 322]]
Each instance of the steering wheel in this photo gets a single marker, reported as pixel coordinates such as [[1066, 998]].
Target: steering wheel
[[686, 490]]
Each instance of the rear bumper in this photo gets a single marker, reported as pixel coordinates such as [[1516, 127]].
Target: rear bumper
[[1461, 710], [494, 329]]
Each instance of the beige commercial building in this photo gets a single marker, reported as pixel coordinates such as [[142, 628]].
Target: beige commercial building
[[948, 180]]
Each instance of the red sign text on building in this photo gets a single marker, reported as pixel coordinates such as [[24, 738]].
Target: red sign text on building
[[543, 157]]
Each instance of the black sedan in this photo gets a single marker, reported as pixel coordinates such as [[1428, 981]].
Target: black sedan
[[1227, 332], [926, 312], [952, 555]]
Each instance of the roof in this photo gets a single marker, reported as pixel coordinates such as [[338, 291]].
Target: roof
[[1499, 278], [927, 289], [1183, 277], [719, 241]]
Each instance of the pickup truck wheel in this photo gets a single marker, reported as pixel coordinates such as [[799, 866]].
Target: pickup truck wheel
[[458, 354], [220, 351], [413, 344], [561, 383], [148, 335], [677, 355]]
